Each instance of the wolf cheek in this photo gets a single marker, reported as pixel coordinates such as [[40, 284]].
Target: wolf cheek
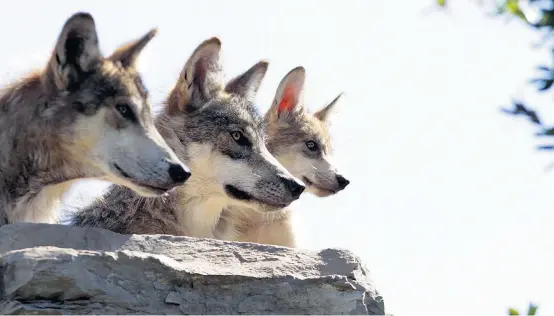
[[68, 121]]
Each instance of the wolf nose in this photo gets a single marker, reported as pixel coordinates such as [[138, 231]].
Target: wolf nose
[[294, 187], [177, 173], [343, 182]]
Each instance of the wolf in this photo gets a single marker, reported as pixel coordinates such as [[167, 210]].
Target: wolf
[[300, 141], [82, 116], [214, 127]]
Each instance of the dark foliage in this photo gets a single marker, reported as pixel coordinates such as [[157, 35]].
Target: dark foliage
[[544, 24], [543, 83]]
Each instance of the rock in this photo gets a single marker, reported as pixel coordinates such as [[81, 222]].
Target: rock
[[57, 269]]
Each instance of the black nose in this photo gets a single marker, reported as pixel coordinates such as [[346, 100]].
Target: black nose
[[343, 182], [295, 187], [178, 173]]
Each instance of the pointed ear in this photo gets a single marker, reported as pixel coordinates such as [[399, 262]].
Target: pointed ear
[[199, 80], [324, 112], [247, 84], [289, 94], [128, 53], [76, 53]]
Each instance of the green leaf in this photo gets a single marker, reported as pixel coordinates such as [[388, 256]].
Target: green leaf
[[513, 311], [441, 3], [547, 19], [512, 6], [532, 309]]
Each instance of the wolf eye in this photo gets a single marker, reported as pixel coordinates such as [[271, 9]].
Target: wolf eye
[[125, 111], [311, 145], [79, 106], [122, 108], [240, 138]]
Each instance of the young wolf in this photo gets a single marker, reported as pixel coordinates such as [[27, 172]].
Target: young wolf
[[300, 141], [216, 130], [83, 116]]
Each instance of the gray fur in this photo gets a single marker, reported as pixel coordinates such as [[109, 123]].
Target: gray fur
[[289, 127], [61, 124], [199, 122], [122, 211]]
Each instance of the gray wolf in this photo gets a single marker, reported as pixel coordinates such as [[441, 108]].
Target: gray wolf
[[82, 116], [300, 141], [213, 126]]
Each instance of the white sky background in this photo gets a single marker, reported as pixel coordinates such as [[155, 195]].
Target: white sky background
[[449, 204]]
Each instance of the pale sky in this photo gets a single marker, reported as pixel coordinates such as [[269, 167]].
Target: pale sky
[[449, 204]]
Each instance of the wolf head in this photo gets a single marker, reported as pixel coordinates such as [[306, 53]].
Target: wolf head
[[299, 140], [113, 135], [220, 135]]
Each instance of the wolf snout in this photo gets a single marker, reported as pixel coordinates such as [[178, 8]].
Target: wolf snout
[[294, 187], [178, 173], [342, 181]]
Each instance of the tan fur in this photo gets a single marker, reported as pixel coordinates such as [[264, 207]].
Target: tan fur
[[202, 200], [215, 128], [201, 208], [250, 225], [32, 210], [287, 132], [82, 116]]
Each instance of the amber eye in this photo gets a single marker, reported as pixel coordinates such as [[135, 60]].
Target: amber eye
[[122, 108], [240, 139], [125, 111], [236, 136], [311, 145]]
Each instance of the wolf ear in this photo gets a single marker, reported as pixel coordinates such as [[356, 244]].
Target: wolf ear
[[324, 112], [199, 80], [128, 53], [247, 84], [76, 53], [289, 94]]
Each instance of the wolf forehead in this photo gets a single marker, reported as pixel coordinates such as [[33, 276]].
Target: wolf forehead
[[110, 80], [229, 113], [300, 129]]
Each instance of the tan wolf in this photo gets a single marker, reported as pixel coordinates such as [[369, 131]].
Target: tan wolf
[[83, 116], [215, 129], [300, 141]]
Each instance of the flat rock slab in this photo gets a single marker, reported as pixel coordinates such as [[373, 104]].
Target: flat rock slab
[[58, 269]]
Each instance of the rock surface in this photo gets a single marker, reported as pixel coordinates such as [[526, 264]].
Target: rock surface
[[57, 269]]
